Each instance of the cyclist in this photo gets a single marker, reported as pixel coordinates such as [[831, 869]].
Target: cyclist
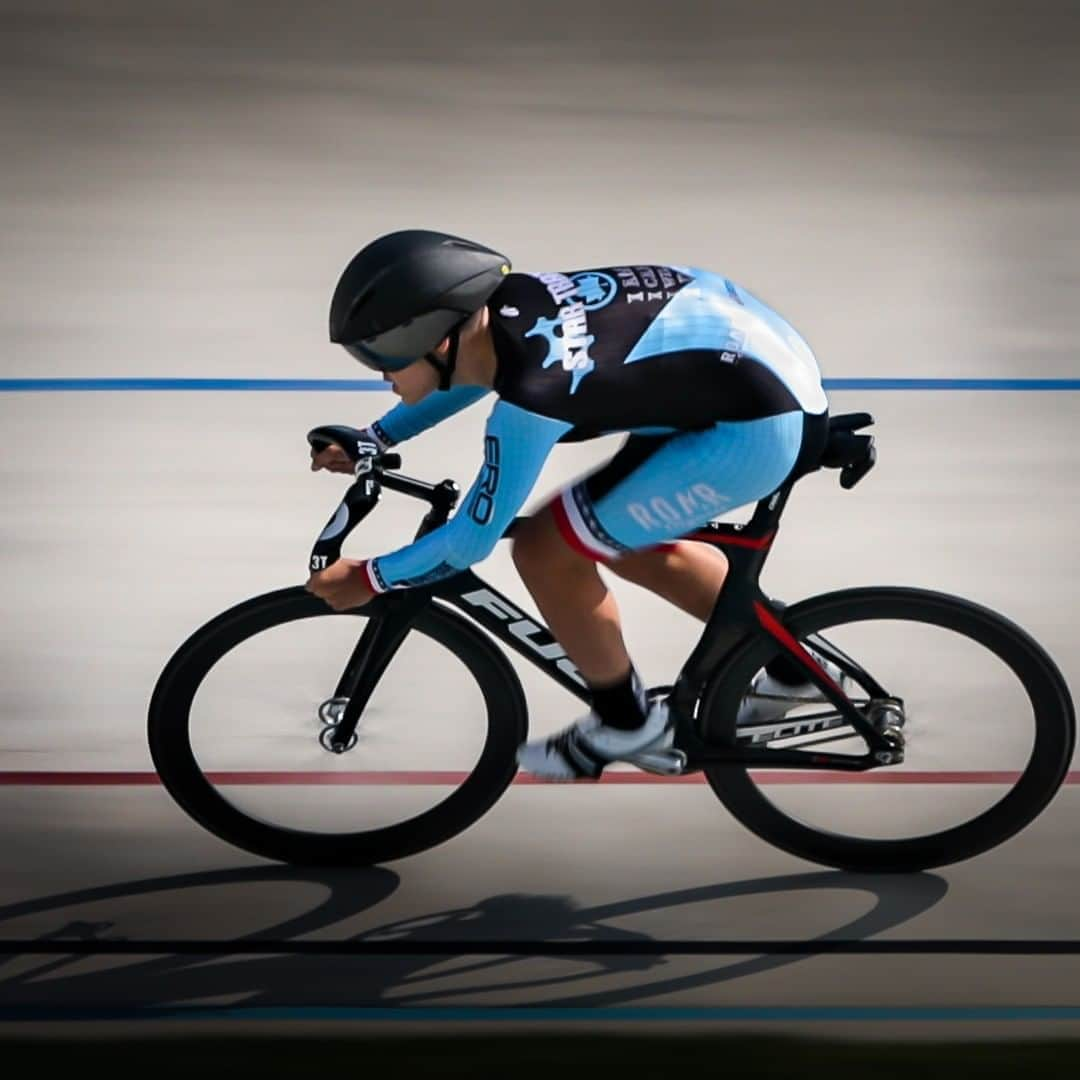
[[720, 397]]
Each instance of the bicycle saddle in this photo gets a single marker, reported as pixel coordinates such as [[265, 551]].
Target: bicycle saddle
[[853, 454]]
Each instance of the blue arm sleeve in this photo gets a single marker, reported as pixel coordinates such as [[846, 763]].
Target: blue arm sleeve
[[516, 445], [404, 421]]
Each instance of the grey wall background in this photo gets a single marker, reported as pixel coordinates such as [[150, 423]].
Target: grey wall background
[[181, 183]]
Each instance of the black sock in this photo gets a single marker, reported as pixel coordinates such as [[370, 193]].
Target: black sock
[[621, 705]]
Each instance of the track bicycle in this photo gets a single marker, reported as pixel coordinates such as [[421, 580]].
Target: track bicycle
[[316, 737]]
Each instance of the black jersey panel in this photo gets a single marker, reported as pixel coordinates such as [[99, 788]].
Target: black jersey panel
[[577, 322], [562, 339], [684, 390]]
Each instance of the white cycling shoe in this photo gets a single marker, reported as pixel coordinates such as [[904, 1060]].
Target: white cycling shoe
[[770, 699], [581, 751]]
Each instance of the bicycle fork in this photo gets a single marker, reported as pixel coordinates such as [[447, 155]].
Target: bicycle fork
[[377, 646]]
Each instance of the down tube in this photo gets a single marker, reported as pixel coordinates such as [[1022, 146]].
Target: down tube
[[507, 622]]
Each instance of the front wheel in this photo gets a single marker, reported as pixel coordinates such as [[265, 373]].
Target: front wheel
[[241, 718], [984, 716]]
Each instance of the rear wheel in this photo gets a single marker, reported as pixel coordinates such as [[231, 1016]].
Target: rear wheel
[[985, 717], [240, 720]]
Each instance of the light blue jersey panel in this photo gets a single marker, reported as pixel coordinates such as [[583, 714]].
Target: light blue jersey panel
[[693, 478], [516, 445], [404, 421], [716, 314]]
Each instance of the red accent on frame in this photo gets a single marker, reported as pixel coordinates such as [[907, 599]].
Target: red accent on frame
[[769, 621], [733, 541], [566, 530]]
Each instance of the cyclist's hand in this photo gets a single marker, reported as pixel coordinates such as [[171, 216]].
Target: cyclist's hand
[[333, 459], [343, 585]]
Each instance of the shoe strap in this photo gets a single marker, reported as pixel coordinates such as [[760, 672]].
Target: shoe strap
[[578, 754]]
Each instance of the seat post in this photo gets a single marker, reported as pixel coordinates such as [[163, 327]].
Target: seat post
[[767, 513]]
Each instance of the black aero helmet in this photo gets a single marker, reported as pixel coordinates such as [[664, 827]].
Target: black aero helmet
[[405, 292]]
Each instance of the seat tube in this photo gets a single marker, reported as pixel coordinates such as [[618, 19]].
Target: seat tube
[[733, 617]]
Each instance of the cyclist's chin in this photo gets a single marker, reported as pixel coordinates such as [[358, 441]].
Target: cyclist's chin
[[412, 395]]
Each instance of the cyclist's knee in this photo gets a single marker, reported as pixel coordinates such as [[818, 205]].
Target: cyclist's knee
[[538, 546], [535, 543]]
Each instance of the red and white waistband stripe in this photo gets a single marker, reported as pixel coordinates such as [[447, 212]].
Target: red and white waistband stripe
[[576, 533]]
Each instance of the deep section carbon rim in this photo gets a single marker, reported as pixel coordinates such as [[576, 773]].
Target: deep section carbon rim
[[986, 719], [240, 719]]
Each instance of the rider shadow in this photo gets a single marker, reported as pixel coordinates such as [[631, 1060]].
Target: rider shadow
[[405, 980]]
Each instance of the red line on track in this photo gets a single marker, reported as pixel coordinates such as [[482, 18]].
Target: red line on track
[[390, 778]]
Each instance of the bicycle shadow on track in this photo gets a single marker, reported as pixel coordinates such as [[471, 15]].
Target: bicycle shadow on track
[[419, 980]]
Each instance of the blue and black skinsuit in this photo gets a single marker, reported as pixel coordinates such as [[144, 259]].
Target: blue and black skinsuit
[[720, 396]]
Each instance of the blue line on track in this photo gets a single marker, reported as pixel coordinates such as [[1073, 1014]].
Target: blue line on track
[[192, 384], [354, 385], [951, 384], [457, 1014]]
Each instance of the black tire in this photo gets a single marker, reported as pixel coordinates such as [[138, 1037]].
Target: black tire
[[1038, 781], [176, 764]]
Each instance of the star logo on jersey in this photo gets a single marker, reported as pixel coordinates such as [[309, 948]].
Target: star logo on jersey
[[594, 289], [568, 342]]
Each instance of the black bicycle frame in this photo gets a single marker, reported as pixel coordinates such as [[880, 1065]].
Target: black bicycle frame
[[742, 613]]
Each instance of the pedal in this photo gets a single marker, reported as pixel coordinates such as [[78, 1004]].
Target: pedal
[[669, 762]]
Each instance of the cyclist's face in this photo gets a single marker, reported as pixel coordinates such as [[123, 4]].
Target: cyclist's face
[[415, 382]]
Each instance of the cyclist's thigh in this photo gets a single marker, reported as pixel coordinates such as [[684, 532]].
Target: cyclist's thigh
[[658, 489]]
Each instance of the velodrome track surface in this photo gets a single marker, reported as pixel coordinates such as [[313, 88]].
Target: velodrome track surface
[[179, 196]]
